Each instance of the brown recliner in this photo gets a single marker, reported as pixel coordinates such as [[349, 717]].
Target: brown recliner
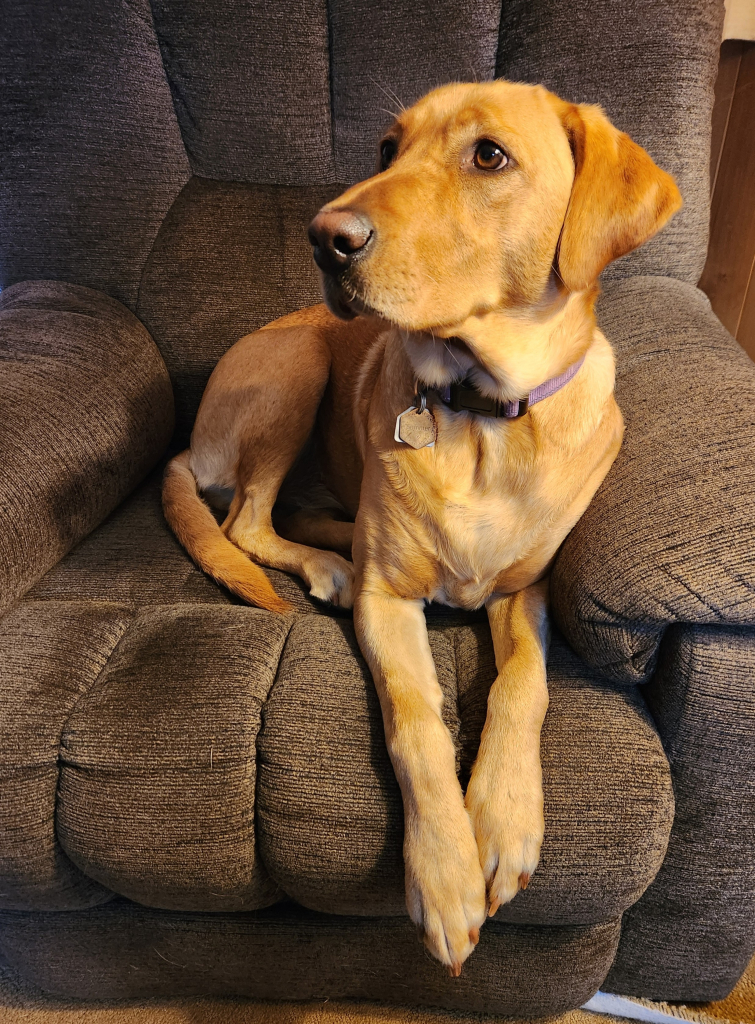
[[196, 795]]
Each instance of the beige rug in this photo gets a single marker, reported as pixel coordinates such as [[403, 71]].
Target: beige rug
[[19, 1005]]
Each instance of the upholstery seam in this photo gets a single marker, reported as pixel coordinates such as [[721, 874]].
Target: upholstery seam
[[258, 857], [498, 57], [156, 39], [331, 91], [294, 619], [685, 662], [149, 255], [133, 613], [56, 802]]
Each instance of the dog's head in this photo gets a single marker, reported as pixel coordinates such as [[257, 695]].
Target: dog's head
[[489, 197]]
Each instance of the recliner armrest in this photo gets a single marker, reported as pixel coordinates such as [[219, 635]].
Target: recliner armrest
[[670, 535], [86, 410], [690, 935]]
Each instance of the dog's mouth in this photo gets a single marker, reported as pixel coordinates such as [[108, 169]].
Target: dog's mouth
[[346, 302], [343, 300], [437, 359]]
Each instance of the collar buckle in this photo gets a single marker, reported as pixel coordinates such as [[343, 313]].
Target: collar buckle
[[465, 397], [523, 407]]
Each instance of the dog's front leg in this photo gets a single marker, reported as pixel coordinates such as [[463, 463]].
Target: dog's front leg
[[505, 792], [445, 888]]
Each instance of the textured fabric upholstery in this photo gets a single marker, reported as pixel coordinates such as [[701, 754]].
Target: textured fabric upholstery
[[388, 54], [163, 811], [96, 135], [228, 259], [86, 410], [329, 809], [158, 768], [163, 742], [135, 559], [295, 954], [251, 89], [670, 535], [703, 700], [49, 656], [92, 153], [607, 801], [652, 67]]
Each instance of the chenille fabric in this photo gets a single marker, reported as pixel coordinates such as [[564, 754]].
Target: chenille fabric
[[293, 953], [670, 535], [195, 795], [86, 409]]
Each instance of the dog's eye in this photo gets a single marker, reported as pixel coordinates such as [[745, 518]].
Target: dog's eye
[[387, 153], [489, 156]]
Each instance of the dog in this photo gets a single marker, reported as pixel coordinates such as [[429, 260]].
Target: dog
[[461, 396]]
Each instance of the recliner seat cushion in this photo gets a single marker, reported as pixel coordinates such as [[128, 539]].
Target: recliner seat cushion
[[135, 559], [329, 811], [158, 758], [50, 655], [159, 765]]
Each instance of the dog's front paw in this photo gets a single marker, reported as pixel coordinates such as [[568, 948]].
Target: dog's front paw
[[506, 808], [445, 888]]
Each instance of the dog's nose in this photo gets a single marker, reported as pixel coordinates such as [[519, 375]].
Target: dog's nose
[[338, 237]]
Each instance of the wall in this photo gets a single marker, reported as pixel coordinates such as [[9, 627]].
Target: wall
[[729, 275]]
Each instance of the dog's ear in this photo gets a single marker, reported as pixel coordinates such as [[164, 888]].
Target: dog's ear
[[619, 198]]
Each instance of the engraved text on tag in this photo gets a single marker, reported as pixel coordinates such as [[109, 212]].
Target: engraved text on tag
[[417, 429]]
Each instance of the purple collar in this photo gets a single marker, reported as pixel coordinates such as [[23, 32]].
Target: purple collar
[[464, 396]]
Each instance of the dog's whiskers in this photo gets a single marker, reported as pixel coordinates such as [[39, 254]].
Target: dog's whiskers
[[446, 346], [393, 98], [448, 349], [397, 99], [475, 74]]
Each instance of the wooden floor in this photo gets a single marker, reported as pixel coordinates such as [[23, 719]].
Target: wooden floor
[[729, 275]]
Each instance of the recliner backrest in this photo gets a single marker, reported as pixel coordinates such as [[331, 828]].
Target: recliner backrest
[[139, 142]]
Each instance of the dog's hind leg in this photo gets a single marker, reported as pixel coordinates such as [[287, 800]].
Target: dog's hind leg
[[289, 378], [318, 528], [328, 576]]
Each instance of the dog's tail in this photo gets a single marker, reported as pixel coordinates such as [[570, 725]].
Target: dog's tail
[[195, 526]]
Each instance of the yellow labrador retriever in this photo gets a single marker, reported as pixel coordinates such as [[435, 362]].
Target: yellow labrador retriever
[[462, 400]]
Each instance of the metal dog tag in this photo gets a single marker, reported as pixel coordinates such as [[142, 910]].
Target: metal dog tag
[[416, 428]]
